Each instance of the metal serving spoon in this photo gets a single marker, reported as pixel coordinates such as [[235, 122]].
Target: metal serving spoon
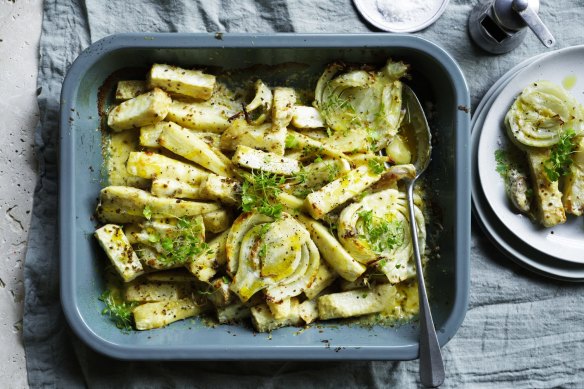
[[431, 364]]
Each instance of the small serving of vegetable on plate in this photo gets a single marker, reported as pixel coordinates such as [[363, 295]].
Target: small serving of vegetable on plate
[[270, 203], [543, 167]]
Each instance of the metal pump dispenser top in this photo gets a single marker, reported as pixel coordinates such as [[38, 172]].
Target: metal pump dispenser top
[[499, 26]]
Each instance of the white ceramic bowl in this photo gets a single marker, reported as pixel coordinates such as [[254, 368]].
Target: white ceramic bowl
[[372, 11]]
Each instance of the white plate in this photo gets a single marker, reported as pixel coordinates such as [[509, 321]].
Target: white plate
[[564, 242], [503, 239], [371, 11]]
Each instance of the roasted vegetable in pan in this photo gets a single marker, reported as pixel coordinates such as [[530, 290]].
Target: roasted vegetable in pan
[[253, 204]]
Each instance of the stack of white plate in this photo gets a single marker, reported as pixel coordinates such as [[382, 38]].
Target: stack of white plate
[[556, 252]]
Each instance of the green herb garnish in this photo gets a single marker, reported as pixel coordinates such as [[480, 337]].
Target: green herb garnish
[[263, 251], [558, 164], [120, 312], [333, 171], [260, 191], [333, 104], [184, 243], [502, 159], [381, 234], [291, 142], [302, 176], [302, 193], [376, 166], [147, 212]]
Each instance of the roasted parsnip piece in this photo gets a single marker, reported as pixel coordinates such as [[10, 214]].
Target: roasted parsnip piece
[[148, 108], [192, 83], [340, 190], [160, 314], [268, 162], [233, 313], [355, 302], [128, 89], [550, 210], [217, 221], [166, 187], [223, 189], [325, 277], [122, 145], [119, 251], [306, 117], [188, 145], [199, 116], [204, 266], [263, 320], [257, 136], [308, 311], [574, 185], [122, 204], [153, 291], [152, 165]]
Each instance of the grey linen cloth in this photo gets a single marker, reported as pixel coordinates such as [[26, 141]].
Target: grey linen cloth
[[521, 330]]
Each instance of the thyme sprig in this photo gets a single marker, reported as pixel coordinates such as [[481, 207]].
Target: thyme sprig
[[558, 164], [120, 312], [260, 191], [381, 234], [182, 244]]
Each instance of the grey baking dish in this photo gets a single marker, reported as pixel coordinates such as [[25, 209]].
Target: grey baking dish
[[436, 78]]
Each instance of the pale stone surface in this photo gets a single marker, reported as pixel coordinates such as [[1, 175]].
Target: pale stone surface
[[20, 25]]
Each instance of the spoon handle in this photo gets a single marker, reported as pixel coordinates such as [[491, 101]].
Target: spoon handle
[[431, 363]]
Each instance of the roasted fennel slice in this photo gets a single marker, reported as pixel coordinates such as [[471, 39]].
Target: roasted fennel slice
[[276, 255], [332, 251], [172, 245], [376, 230], [363, 108], [261, 105], [541, 113]]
